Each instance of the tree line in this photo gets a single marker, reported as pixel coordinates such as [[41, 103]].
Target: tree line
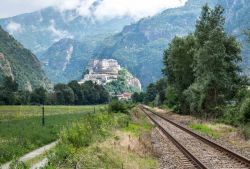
[[202, 75], [62, 94]]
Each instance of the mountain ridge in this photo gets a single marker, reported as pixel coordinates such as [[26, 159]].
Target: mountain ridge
[[40, 29], [157, 31], [20, 64]]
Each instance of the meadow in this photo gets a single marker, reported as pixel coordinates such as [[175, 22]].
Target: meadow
[[21, 128]]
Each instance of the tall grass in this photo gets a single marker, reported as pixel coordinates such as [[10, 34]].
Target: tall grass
[[80, 135]]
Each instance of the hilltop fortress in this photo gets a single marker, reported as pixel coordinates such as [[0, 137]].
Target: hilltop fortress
[[105, 71]]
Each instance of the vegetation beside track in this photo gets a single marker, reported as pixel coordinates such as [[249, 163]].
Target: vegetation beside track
[[104, 140]]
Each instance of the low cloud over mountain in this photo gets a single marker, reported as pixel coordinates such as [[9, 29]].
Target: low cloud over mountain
[[100, 8]]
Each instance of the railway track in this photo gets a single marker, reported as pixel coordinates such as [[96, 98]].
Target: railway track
[[199, 151]]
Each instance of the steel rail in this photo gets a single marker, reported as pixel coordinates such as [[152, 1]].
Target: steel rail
[[215, 145], [194, 160]]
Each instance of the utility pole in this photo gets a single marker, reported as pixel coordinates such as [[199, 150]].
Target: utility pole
[[43, 118]]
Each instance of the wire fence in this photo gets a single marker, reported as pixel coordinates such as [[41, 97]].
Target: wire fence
[[22, 112]]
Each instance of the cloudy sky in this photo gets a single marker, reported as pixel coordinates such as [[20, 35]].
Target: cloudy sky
[[107, 8]]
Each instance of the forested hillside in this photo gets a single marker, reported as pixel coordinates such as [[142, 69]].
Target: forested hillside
[[20, 64]]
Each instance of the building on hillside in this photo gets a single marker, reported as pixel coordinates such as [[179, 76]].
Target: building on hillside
[[101, 71], [124, 96]]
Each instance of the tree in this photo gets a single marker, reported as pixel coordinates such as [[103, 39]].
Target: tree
[[64, 94], [178, 61], [8, 92], [215, 63], [10, 84], [39, 96], [79, 96], [150, 93], [161, 87], [137, 97]]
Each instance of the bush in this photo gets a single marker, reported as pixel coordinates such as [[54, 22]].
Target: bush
[[245, 110], [79, 134], [246, 131], [117, 106]]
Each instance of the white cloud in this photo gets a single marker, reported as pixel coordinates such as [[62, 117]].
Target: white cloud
[[114, 8], [13, 27], [106, 9], [58, 34], [134, 8]]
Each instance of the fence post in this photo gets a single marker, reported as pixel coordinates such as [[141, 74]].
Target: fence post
[[94, 109], [43, 118]]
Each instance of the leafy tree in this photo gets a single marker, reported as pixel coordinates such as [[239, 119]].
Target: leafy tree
[[178, 61], [161, 87], [8, 92], [104, 95], [150, 93], [10, 84], [215, 66], [121, 85], [39, 96], [137, 97], [64, 94], [25, 97], [79, 96]]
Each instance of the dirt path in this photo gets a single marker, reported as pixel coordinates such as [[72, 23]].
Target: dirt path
[[40, 164], [32, 154]]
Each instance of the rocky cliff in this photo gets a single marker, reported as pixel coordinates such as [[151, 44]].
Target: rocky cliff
[[20, 64], [109, 73]]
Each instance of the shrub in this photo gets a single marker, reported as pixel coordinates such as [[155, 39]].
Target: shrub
[[79, 134], [230, 115], [117, 106], [245, 110], [246, 131]]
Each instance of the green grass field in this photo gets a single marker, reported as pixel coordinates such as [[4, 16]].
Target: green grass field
[[21, 112], [21, 127]]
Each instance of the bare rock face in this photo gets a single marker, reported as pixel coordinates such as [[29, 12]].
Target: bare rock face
[[5, 66], [105, 71]]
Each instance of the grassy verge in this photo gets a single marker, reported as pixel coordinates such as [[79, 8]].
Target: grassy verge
[[205, 129], [25, 133], [139, 127], [101, 141]]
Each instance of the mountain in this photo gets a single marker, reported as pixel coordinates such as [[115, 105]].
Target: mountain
[[139, 47], [20, 64], [37, 31], [66, 60]]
